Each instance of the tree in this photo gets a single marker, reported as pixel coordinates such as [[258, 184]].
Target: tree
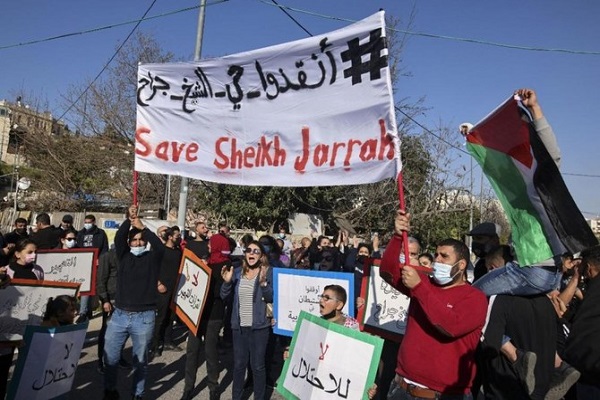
[[107, 109]]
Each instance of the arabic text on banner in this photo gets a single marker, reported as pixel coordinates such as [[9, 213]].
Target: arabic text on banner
[[313, 112]]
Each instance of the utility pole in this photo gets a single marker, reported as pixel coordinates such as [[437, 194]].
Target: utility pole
[[183, 191], [464, 130]]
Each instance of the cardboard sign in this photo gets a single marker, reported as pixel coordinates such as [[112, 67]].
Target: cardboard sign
[[329, 361], [385, 312], [47, 363], [192, 288], [297, 290], [72, 265], [24, 301]]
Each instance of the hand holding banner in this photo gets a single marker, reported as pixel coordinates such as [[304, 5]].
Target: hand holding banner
[[192, 288], [47, 364], [320, 364]]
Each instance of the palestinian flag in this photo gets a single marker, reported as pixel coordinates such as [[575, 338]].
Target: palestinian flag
[[544, 219]]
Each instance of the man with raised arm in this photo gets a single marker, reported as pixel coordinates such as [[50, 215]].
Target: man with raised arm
[[445, 319], [135, 302]]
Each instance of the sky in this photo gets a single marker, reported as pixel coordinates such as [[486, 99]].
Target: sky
[[461, 80]]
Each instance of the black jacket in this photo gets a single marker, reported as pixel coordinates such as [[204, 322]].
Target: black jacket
[[95, 238], [14, 237], [46, 238], [106, 276], [582, 349], [137, 276]]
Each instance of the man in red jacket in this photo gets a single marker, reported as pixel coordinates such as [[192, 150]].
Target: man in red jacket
[[445, 319]]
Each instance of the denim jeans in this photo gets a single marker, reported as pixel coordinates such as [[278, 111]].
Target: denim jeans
[[249, 344], [84, 302], [397, 393], [123, 324], [518, 281]]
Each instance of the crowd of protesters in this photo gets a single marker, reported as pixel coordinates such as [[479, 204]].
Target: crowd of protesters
[[479, 325]]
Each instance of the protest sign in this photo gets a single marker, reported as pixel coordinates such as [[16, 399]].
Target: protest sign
[[313, 112], [192, 289], [296, 290], [24, 301], [73, 265], [47, 363], [385, 311], [324, 359]]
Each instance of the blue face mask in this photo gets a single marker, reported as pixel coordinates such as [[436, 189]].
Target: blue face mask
[[87, 227], [138, 251], [442, 273]]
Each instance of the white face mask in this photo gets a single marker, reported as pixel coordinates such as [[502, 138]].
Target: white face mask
[[87, 227], [70, 243], [138, 251], [29, 258], [442, 273]]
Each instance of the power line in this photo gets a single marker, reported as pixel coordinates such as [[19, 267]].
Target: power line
[[430, 132], [109, 61], [102, 28], [445, 37], [292, 18], [583, 175]]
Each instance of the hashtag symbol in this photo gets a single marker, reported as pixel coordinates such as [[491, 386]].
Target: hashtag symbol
[[356, 51]]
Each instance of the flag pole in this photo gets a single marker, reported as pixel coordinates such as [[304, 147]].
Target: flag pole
[[419, 268], [403, 208], [136, 176]]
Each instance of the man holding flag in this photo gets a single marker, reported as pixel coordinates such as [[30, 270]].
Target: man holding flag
[[517, 150]]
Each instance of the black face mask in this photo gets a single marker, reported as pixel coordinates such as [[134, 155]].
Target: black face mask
[[361, 259], [329, 316], [479, 249]]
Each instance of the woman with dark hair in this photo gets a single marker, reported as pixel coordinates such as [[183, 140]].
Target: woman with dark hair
[[60, 310], [251, 289], [426, 260], [68, 240], [272, 251], [22, 264]]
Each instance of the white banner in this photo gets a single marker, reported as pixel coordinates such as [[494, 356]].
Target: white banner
[[328, 361], [298, 290], [386, 309], [191, 291], [24, 303], [73, 265], [313, 112], [47, 364]]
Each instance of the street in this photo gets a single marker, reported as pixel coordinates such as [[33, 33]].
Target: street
[[165, 378]]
